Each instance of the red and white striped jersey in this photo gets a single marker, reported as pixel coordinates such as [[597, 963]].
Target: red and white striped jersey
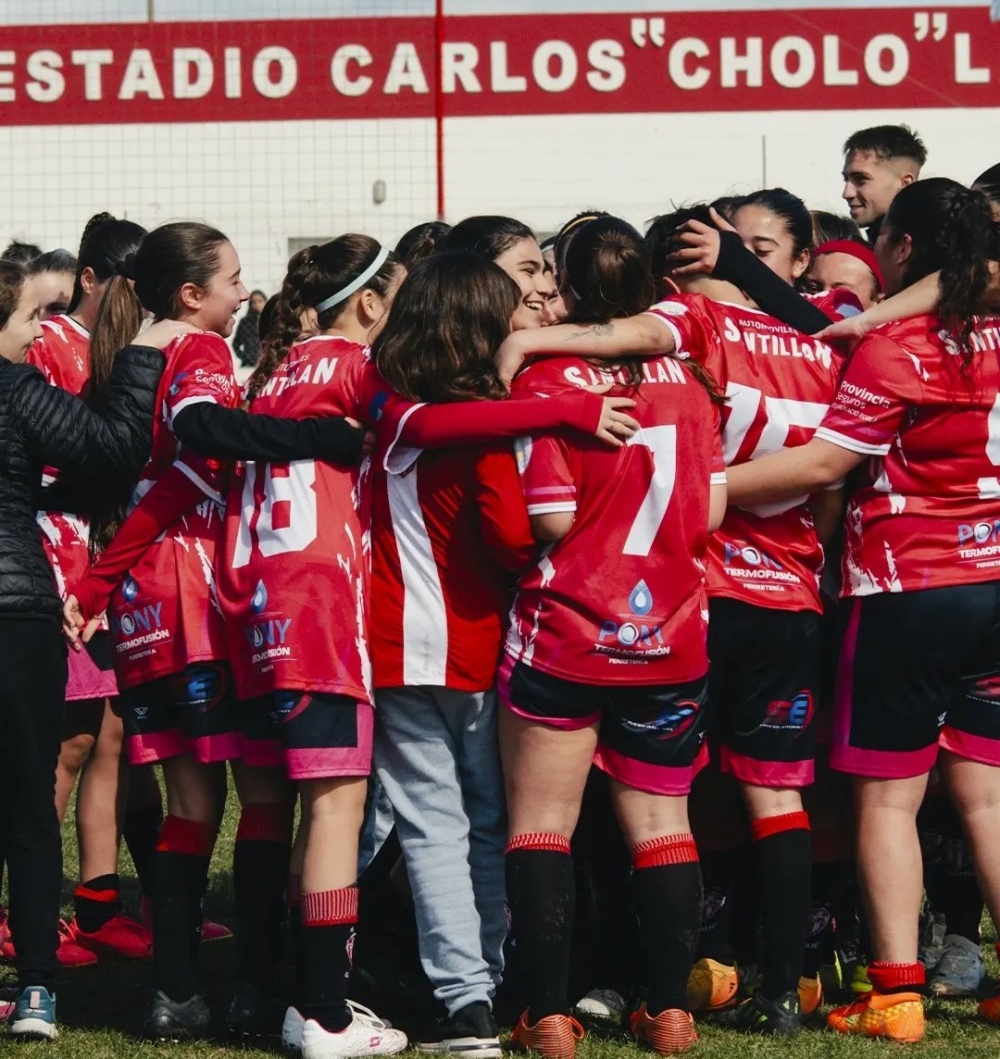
[[165, 614], [449, 530]]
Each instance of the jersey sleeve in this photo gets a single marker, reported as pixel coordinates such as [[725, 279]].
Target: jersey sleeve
[[695, 333], [546, 477], [202, 373], [881, 382], [503, 516]]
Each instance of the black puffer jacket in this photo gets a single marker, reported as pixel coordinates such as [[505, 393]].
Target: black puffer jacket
[[42, 425]]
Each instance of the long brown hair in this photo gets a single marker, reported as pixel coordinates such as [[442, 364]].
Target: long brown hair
[[314, 274], [151, 279], [447, 321], [608, 271]]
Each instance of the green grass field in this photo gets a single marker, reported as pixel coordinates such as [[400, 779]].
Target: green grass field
[[100, 1008]]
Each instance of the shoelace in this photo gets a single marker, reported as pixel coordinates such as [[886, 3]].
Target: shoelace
[[66, 931], [368, 1016]]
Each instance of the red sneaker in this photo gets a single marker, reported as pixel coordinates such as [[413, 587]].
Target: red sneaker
[[209, 931], [119, 936], [69, 954]]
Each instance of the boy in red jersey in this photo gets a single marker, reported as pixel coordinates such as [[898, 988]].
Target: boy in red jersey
[[606, 660], [918, 666]]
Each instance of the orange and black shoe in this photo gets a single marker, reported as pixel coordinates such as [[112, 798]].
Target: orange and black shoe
[[810, 996], [894, 1016], [670, 1032], [712, 986], [553, 1037]]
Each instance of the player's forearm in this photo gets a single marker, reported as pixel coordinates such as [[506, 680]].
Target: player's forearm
[[788, 474]]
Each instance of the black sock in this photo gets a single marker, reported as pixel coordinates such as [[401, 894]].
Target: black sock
[[260, 870], [542, 895], [721, 872], [668, 897], [180, 878], [328, 921], [784, 866], [141, 832], [95, 902], [959, 899]]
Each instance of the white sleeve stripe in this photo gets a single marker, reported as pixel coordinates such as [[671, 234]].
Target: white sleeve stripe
[[189, 472], [843, 441], [551, 509], [717, 478], [203, 398], [386, 459]]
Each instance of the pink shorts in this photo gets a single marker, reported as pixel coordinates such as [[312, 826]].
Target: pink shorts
[[89, 677], [314, 735]]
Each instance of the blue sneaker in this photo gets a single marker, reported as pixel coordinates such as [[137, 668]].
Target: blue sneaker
[[34, 1017]]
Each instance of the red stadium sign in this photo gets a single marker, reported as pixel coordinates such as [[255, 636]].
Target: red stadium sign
[[491, 65]]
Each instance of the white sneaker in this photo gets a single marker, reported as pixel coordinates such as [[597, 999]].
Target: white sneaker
[[366, 1035], [291, 1030], [602, 1004]]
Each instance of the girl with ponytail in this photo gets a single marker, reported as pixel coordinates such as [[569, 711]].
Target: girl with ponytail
[[167, 630], [92, 732], [918, 671]]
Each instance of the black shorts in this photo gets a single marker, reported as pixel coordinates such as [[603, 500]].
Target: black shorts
[[651, 736], [918, 670], [314, 735], [194, 712], [763, 686]]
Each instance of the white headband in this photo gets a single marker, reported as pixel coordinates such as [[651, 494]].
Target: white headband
[[356, 284]]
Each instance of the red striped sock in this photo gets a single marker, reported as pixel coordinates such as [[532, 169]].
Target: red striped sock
[[190, 837], [774, 825], [896, 977], [546, 840], [330, 908], [668, 849]]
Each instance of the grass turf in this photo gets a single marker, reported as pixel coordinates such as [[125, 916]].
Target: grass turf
[[100, 1008]]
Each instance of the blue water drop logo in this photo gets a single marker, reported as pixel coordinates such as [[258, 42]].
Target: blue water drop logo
[[258, 601], [130, 589], [641, 600]]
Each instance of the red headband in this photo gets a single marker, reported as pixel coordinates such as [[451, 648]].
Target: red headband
[[863, 253]]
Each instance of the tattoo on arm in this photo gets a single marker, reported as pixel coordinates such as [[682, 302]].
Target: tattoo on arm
[[594, 329]]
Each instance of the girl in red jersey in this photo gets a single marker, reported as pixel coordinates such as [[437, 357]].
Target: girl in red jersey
[[166, 625], [918, 668], [92, 736], [606, 656], [293, 584], [260, 823]]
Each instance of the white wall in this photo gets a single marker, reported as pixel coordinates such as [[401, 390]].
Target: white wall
[[266, 183]]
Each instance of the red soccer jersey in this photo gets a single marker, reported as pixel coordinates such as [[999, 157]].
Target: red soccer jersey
[[621, 598], [62, 355], [293, 573], [449, 530], [930, 515], [779, 384], [165, 614]]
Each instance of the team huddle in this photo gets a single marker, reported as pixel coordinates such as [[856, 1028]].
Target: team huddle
[[504, 548]]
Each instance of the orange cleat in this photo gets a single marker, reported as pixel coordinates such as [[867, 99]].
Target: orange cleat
[[712, 986], [810, 996], [989, 1009], [119, 936], [896, 1016], [672, 1031], [553, 1037]]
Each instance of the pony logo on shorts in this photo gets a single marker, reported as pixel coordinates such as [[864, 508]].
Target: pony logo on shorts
[[795, 714], [669, 723]]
